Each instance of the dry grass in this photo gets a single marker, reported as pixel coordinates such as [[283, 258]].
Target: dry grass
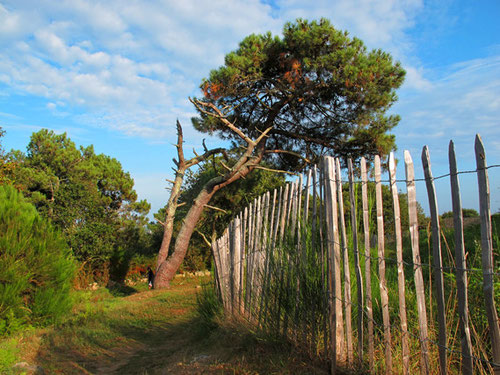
[[150, 332]]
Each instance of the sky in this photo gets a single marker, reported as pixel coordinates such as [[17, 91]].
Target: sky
[[118, 74]]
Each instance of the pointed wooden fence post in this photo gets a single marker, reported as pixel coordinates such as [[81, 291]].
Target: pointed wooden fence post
[[437, 259], [218, 266], [249, 258], [236, 259], [368, 280], [357, 267], [417, 263], [401, 272], [384, 297], [331, 225], [487, 252], [345, 256], [244, 249], [461, 267]]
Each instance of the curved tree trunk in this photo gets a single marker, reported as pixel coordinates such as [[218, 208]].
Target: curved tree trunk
[[168, 225], [167, 269], [182, 166]]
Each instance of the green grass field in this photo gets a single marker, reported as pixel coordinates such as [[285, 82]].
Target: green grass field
[[141, 331]]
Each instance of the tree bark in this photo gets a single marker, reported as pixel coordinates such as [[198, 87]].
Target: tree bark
[[167, 269], [169, 219], [171, 208], [250, 159]]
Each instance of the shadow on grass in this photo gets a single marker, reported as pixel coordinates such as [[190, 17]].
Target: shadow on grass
[[123, 347], [121, 290]]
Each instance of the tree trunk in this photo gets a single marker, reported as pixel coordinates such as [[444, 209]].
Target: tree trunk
[[182, 166], [169, 219], [167, 269]]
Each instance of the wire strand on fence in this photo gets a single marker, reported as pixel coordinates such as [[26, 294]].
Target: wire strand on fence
[[267, 246]]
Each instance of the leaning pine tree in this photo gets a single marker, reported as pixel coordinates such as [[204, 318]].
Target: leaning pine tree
[[287, 101]]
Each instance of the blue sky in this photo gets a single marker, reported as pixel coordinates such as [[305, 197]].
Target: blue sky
[[118, 74]]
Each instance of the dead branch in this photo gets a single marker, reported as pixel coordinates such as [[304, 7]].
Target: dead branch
[[180, 151], [225, 166], [276, 170], [216, 208], [205, 239], [288, 152], [263, 135], [215, 112]]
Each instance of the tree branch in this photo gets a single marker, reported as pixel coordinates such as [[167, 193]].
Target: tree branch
[[205, 239], [216, 208], [288, 152], [276, 170], [180, 150], [218, 114]]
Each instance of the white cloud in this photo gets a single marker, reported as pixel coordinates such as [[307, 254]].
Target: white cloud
[[463, 102], [131, 66], [128, 66]]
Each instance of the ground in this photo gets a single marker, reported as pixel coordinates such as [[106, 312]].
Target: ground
[[140, 331]]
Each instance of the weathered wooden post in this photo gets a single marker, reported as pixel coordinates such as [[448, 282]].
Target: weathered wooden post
[[417, 263], [401, 273], [487, 252], [437, 259], [461, 267], [384, 297]]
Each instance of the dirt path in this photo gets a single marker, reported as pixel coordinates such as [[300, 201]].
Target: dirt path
[[150, 333]]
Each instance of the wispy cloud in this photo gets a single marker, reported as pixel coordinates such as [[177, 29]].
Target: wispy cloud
[[461, 103], [131, 66]]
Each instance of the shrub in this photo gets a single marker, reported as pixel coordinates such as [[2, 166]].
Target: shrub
[[208, 307], [36, 266]]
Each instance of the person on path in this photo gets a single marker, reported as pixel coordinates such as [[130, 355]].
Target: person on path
[[151, 277]]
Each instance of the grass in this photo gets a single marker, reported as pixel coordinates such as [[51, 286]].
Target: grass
[[141, 331]]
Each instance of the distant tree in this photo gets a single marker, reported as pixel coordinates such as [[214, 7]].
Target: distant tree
[[87, 196], [36, 265], [6, 167], [288, 101], [466, 212]]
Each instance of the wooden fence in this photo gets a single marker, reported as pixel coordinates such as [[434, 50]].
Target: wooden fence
[[328, 267]]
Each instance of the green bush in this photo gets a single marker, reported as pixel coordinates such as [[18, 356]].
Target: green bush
[[36, 266], [208, 307]]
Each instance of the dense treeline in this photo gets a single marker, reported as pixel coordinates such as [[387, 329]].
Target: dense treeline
[[91, 201], [87, 196], [36, 265]]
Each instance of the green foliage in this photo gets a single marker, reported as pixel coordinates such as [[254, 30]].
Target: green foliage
[[466, 212], [322, 91], [8, 355], [212, 223], [208, 306], [36, 266], [6, 167], [87, 196]]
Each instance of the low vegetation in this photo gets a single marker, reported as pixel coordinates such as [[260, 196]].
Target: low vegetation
[[36, 266], [139, 331]]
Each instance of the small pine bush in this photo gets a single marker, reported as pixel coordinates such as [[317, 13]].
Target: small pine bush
[[36, 266]]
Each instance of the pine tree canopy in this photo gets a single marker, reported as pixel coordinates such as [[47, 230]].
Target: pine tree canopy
[[320, 91]]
